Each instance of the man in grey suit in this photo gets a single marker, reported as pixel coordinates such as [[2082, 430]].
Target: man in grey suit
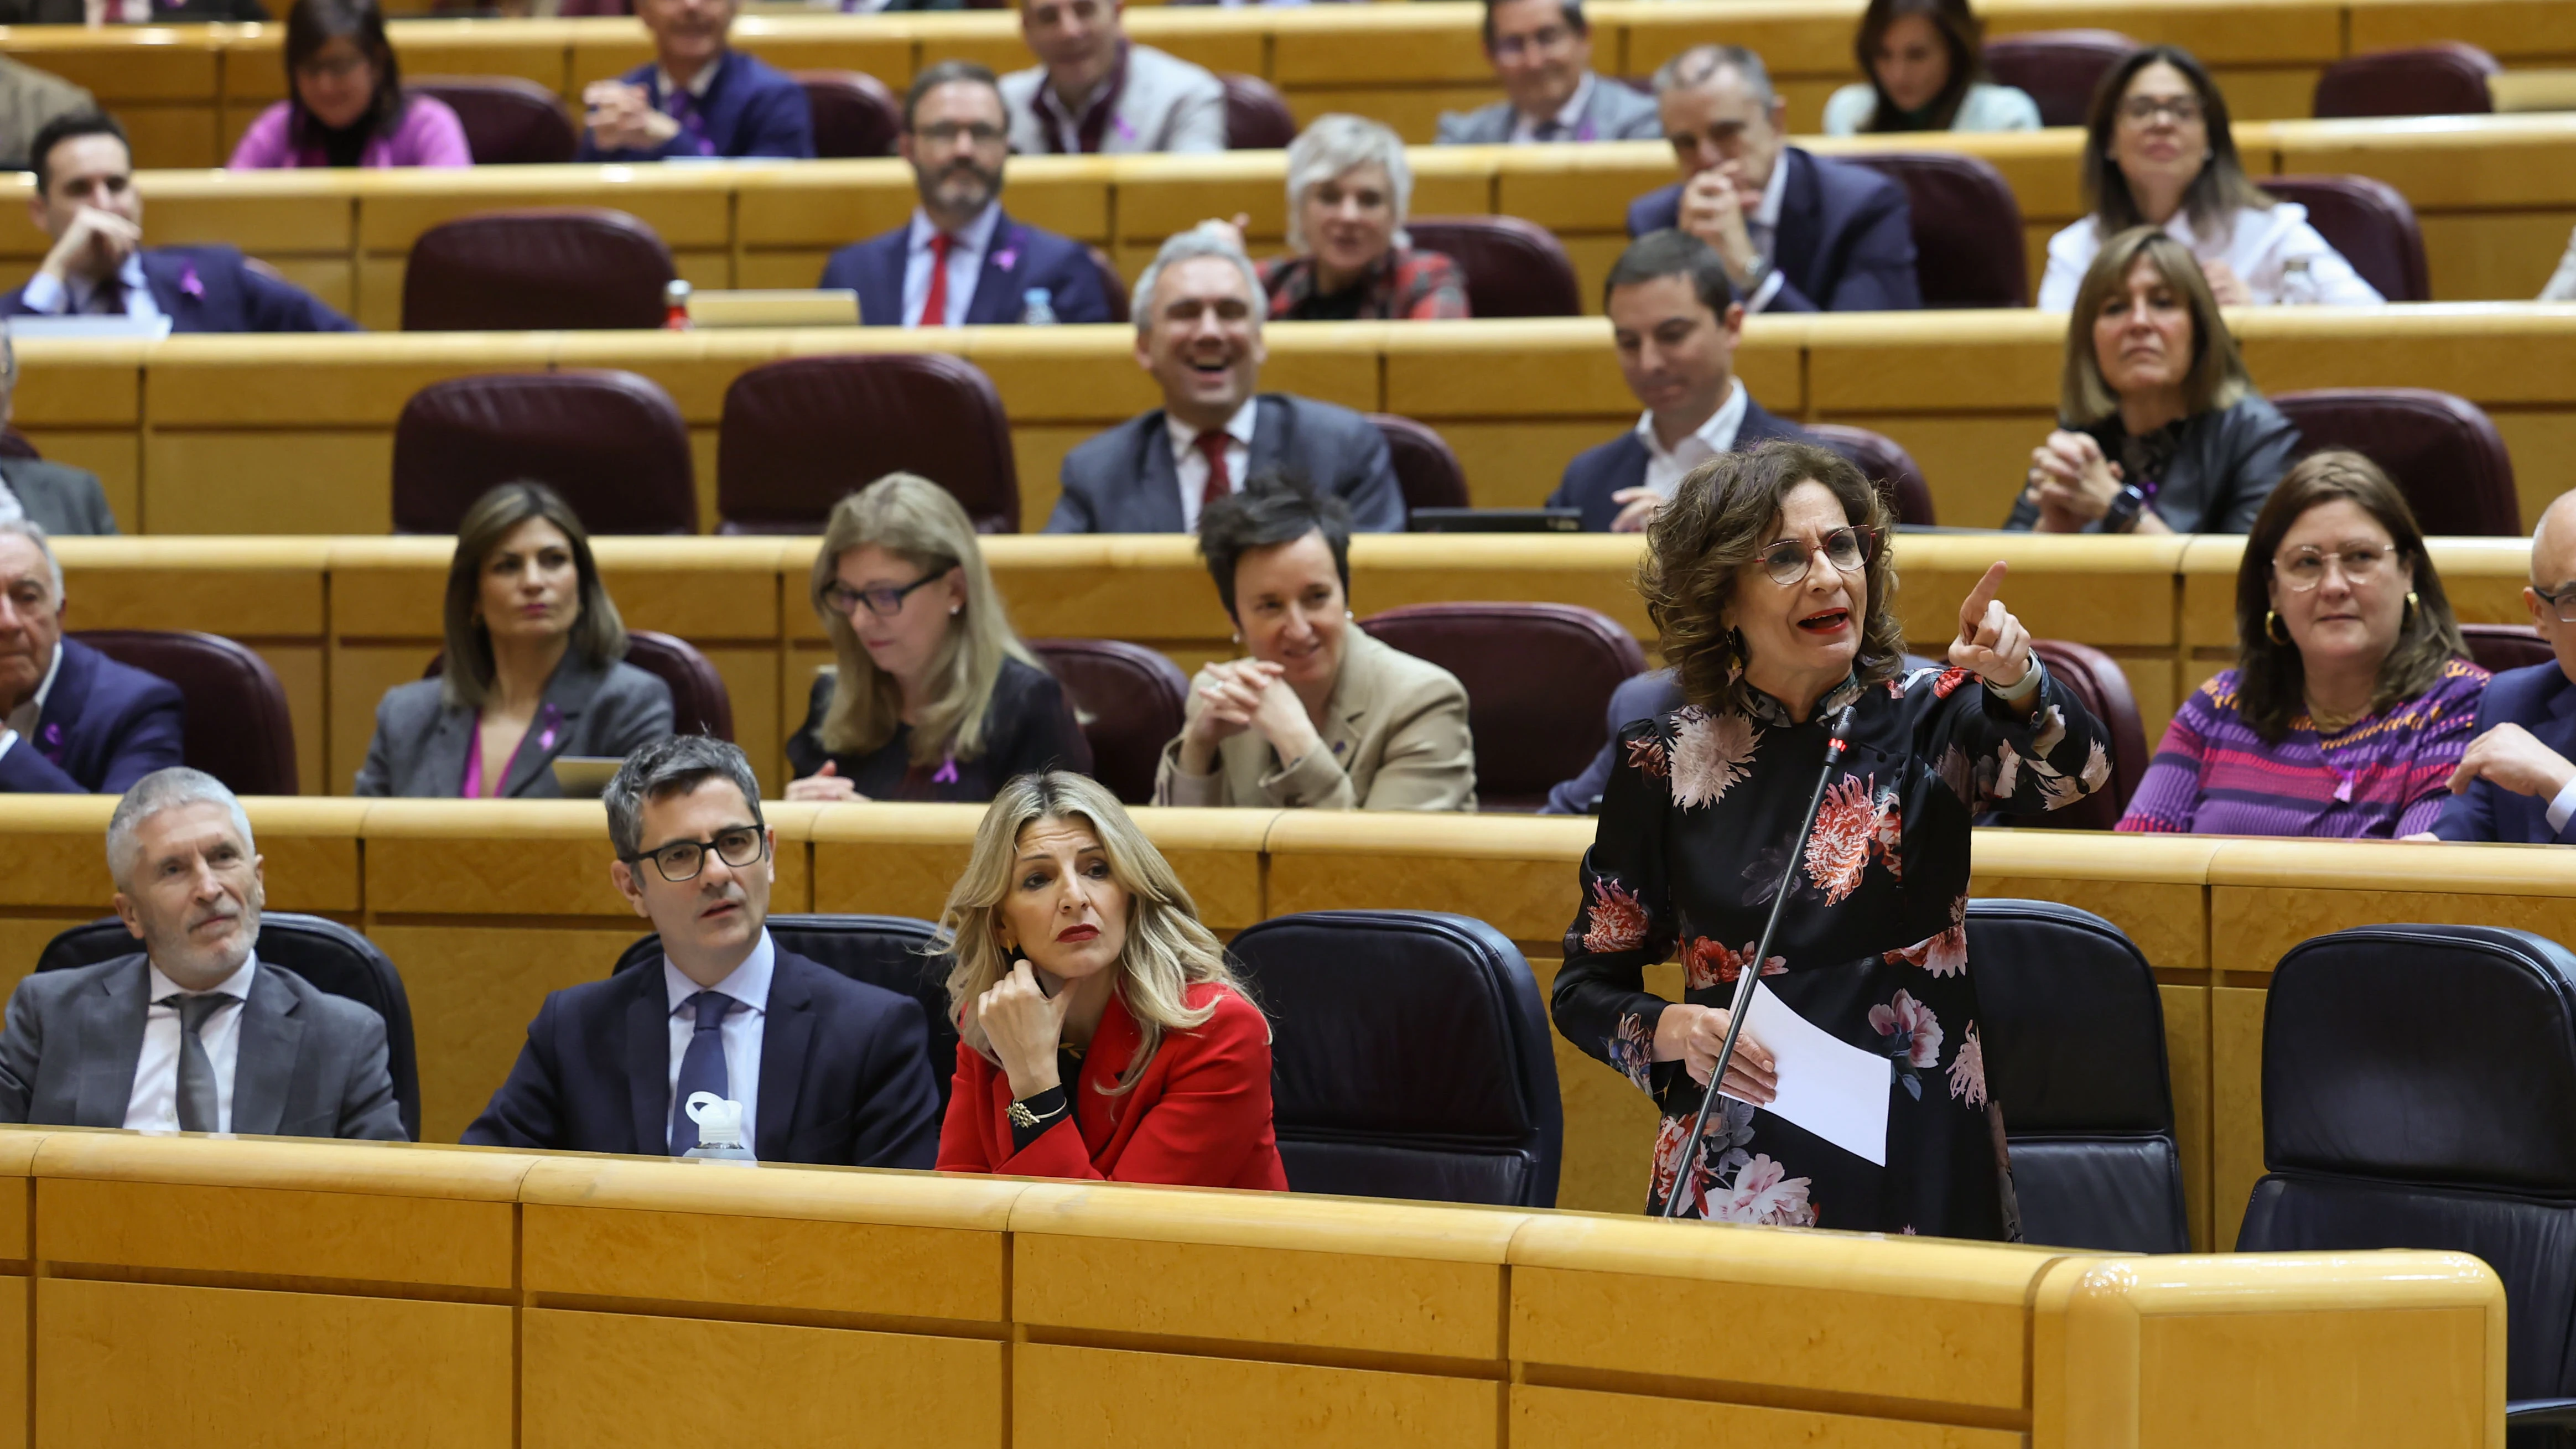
[[1541, 51], [1198, 312], [55, 498], [192, 1033]]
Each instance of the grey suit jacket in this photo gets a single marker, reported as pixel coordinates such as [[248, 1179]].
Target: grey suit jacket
[[309, 1064], [1614, 113], [60, 500], [589, 709], [1124, 481]]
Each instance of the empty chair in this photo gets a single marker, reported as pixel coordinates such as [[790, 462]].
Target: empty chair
[[2370, 223], [509, 121], [612, 443], [333, 958], [2059, 68], [1425, 468], [2397, 1116], [888, 951], [236, 727], [1885, 463], [2498, 647], [1514, 268], [2097, 680], [854, 113], [1967, 227], [2447, 78], [2074, 1043], [538, 268], [2443, 452], [1112, 285], [1410, 1057], [799, 434], [1538, 680], [700, 703], [1130, 701], [1256, 119]]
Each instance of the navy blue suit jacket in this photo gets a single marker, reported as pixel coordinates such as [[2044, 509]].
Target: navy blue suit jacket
[[2539, 699], [1021, 259], [844, 1072], [1845, 243], [105, 725], [1597, 473], [751, 108], [214, 289]]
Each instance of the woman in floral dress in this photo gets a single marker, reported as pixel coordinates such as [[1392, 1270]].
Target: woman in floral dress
[[1770, 577]]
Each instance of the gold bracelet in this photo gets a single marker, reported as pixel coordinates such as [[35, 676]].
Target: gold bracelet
[[1021, 1116]]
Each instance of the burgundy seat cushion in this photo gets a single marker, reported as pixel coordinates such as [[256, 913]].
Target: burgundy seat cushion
[[2442, 451], [1967, 227], [1884, 463], [2059, 68], [612, 443], [2499, 647], [2370, 223], [854, 113], [1425, 468], [538, 268], [237, 728], [800, 434], [1256, 119], [1112, 286], [2097, 680], [509, 121], [1130, 700], [1514, 268], [2447, 78], [1538, 680]]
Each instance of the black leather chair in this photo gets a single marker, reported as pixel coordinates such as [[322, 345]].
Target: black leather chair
[[854, 113], [1883, 461], [2499, 647], [1514, 268], [1131, 701], [2442, 452], [235, 725], [2447, 78], [799, 433], [611, 442], [1425, 467], [2371, 223], [886, 951], [1538, 678], [1256, 118], [332, 957], [2419, 1091], [2058, 68], [2074, 1038], [508, 120], [536, 267], [1410, 1057], [1967, 227]]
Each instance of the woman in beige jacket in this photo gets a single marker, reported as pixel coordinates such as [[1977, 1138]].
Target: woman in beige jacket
[[1320, 716]]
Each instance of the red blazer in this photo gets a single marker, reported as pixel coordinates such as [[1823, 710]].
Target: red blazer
[[1200, 1116]]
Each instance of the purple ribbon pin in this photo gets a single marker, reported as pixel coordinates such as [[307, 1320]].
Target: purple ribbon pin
[[947, 772], [550, 721], [52, 746], [1125, 130], [189, 284]]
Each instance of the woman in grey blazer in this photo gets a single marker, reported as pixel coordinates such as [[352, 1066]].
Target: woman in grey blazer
[[533, 668]]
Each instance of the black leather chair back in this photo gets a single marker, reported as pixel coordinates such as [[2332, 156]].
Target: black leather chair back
[[1885, 463], [1966, 223], [887, 951], [2058, 68], [1131, 701], [334, 958], [234, 723], [1514, 268], [2397, 1116], [611, 442], [2074, 1038], [1538, 679], [1410, 1057], [508, 120], [1425, 468], [854, 113], [2496, 648], [1256, 117], [801, 433]]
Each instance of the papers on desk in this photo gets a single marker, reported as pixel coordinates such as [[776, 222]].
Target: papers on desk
[[1828, 1086]]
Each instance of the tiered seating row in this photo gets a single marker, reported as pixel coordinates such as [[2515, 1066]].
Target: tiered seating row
[[324, 1293]]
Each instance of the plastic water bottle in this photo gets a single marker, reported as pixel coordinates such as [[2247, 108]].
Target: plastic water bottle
[[675, 306], [1039, 307], [720, 1135], [2298, 284]]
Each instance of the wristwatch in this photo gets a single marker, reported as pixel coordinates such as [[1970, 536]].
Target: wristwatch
[[1754, 276], [2123, 513]]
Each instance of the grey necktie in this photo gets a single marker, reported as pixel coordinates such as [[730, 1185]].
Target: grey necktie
[[198, 1105]]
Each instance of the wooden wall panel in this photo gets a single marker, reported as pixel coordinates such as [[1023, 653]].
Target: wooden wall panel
[[1548, 1418], [1086, 1398], [768, 1262], [372, 1237]]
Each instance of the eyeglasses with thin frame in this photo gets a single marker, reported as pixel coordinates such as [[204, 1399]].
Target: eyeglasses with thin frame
[[1542, 40], [945, 133], [1848, 549], [2142, 110], [2562, 602], [2362, 565], [681, 860], [884, 602]]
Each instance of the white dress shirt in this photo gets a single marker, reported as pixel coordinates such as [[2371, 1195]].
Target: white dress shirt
[[2258, 244], [1763, 226], [1664, 470], [697, 85], [966, 251], [1192, 464], [1569, 118], [2562, 806], [22, 720], [77, 295], [153, 1104], [743, 1024], [11, 510]]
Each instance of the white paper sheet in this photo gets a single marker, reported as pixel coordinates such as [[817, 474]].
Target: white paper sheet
[[1828, 1086]]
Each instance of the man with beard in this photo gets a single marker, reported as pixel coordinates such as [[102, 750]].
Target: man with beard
[[697, 97], [826, 1069], [963, 260]]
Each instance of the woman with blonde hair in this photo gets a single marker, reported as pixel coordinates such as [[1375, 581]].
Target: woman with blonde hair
[[933, 697], [1104, 1036]]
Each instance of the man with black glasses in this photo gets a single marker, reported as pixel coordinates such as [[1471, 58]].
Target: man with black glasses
[[825, 1069]]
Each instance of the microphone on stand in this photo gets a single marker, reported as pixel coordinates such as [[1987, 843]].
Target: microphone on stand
[[1839, 741]]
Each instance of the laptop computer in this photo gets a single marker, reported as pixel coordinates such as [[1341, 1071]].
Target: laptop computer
[[1497, 520]]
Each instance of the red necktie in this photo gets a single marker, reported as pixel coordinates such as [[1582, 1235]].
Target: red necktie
[[1212, 442], [934, 308]]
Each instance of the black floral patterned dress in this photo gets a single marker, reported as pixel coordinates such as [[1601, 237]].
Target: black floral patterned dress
[[1872, 947]]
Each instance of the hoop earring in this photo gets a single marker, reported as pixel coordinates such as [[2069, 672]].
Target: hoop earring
[[2271, 621]]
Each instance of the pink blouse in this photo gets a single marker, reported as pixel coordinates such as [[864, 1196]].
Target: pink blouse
[[429, 135]]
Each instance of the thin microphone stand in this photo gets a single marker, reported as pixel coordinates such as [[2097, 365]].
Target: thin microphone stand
[[1839, 741]]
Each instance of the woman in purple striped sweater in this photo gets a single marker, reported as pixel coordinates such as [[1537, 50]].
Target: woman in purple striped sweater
[[2352, 697]]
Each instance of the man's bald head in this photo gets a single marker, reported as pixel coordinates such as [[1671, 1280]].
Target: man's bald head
[[2553, 544]]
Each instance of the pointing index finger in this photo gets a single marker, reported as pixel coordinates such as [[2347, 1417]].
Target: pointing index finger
[[1973, 612]]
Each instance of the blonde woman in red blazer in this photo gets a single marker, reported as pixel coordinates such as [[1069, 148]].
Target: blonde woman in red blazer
[[1104, 1036]]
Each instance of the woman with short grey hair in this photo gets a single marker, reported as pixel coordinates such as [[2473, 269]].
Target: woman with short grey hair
[[1350, 260]]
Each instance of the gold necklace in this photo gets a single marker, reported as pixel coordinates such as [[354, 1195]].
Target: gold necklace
[[2330, 724]]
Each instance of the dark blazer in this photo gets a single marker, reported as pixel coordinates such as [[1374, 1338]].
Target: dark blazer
[[1597, 473], [164, 12], [1845, 242], [60, 500], [752, 108], [1123, 480], [1021, 258], [2223, 468], [2539, 699], [420, 744], [105, 725], [1029, 726], [309, 1064], [214, 289], [844, 1072]]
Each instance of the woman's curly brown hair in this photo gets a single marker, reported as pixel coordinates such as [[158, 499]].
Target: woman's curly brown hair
[[1711, 534]]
